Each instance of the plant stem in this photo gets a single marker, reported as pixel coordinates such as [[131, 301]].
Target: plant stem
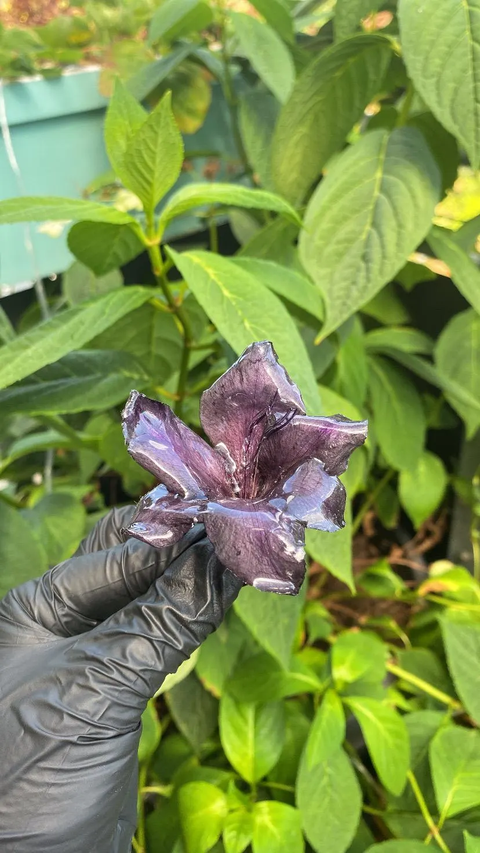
[[370, 500], [158, 268], [278, 786], [141, 834], [424, 685], [426, 813], [162, 790], [232, 102], [407, 103], [213, 231], [61, 426]]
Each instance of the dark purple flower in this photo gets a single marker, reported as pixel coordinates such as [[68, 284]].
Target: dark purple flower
[[272, 472]]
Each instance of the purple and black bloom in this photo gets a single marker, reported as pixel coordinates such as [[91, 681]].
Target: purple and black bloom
[[271, 472]]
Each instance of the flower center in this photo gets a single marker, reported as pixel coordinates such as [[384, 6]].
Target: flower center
[[265, 425]]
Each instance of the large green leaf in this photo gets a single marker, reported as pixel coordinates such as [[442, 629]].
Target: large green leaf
[[7, 332], [399, 417], [326, 101], [21, 555], [244, 311], [401, 338], [398, 846], [465, 273], [65, 332], [387, 740], [349, 13], [328, 729], [334, 550], [421, 489], [196, 195], [457, 357], [277, 14], [58, 522], [219, 653], [79, 283], [330, 802], [104, 246], [358, 234], [237, 831], [124, 117], [441, 48], [151, 75], [357, 655], [193, 709], [252, 736], [472, 844], [290, 284], [151, 732], [277, 827], [272, 619], [58, 209], [267, 53], [203, 808], [461, 635], [153, 158], [455, 763], [258, 114], [168, 15]]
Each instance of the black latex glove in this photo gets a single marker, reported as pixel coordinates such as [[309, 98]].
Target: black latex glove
[[82, 649]]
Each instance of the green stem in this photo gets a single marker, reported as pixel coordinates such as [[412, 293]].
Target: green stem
[[407, 103], [141, 832], [136, 846], [370, 500], [213, 231], [57, 423], [232, 101], [426, 813], [424, 685], [158, 268], [278, 786], [162, 790]]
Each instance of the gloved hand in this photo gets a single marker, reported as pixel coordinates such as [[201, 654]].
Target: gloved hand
[[82, 649]]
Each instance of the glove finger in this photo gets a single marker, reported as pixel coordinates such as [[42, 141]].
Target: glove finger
[[141, 644], [79, 593], [107, 532]]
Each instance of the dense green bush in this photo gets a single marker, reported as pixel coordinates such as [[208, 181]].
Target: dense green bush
[[347, 140]]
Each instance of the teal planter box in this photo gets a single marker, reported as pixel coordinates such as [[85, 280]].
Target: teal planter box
[[56, 129]]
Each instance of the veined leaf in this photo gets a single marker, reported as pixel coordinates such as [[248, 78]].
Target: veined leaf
[[334, 550], [203, 808], [196, 195], [257, 116], [358, 234], [124, 117], [442, 41], [326, 101], [328, 729], [461, 635], [79, 283], [277, 827], [401, 338], [58, 523], [349, 14], [244, 311], [151, 75], [267, 53], [292, 285], [18, 564], [455, 764], [103, 246], [252, 736], [387, 740], [237, 831], [422, 488], [277, 14], [457, 358], [272, 619], [65, 332], [465, 273], [58, 209]]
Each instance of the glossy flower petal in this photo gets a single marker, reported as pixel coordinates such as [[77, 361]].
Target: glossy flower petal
[[247, 401], [161, 518], [165, 446], [313, 497], [331, 440], [259, 544]]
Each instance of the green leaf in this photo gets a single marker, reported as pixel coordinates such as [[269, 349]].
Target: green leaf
[[267, 53], [328, 729], [399, 417], [349, 13], [465, 273], [244, 311], [7, 332], [425, 665], [441, 40], [277, 14], [334, 550], [237, 831], [66, 331], [58, 209], [351, 376], [103, 246], [466, 236], [357, 655], [276, 827], [58, 523], [311, 127], [194, 710], [330, 801], [472, 844], [167, 16], [203, 809], [150, 76], [219, 653], [386, 307], [461, 636], [442, 145], [154, 155], [387, 740], [124, 117], [272, 619], [182, 672], [261, 678], [195, 195], [113, 451], [21, 555], [332, 403], [381, 218], [91, 379], [455, 763], [405, 846], [287, 283], [80, 284], [151, 732], [363, 838], [457, 358], [401, 338], [421, 489], [252, 736], [258, 114]]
